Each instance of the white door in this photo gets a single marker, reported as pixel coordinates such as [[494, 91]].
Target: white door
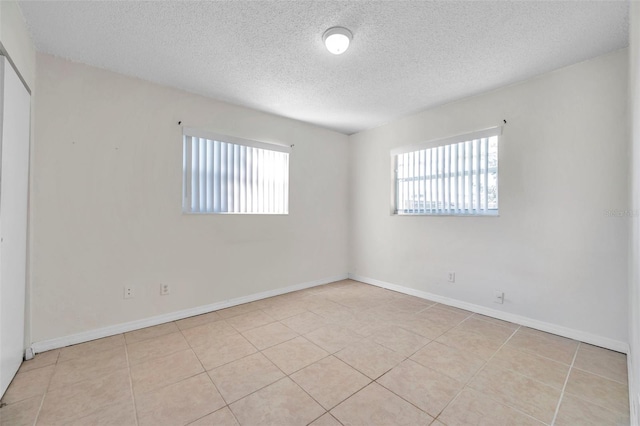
[[14, 186]]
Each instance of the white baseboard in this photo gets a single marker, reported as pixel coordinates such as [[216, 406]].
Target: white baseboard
[[570, 333], [86, 336], [634, 391], [99, 333]]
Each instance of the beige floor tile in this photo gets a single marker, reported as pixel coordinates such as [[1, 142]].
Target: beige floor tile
[[269, 335], [574, 411], [191, 322], [444, 316], [603, 362], [21, 413], [208, 333], [156, 347], [304, 322], [333, 338], [249, 320], [477, 344], [29, 384], [88, 367], [222, 417], [544, 334], [282, 403], [544, 344], [598, 390], [84, 398], [409, 304], [496, 321], [179, 403], [375, 405], [91, 348], [150, 332], [326, 420], [122, 414], [330, 381], [359, 302], [294, 354], [423, 327], [40, 360], [366, 324], [485, 328], [244, 376], [91, 383], [453, 309], [316, 301], [389, 314], [520, 392], [370, 358], [164, 371], [283, 310], [455, 363], [545, 370], [224, 350], [474, 408], [331, 310], [427, 389], [399, 340], [238, 310]]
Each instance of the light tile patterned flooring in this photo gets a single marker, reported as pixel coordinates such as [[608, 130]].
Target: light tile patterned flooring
[[344, 353]]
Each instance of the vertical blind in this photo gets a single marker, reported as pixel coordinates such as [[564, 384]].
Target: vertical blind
[[459, 178], [222, 174]]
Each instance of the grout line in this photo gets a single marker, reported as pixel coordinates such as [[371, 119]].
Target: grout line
[[478, 372], [39, 409], [133, 395], [226, 404], [566, 380], [601, 376], [44, 395]]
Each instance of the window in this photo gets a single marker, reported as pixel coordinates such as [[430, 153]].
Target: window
[[454, 176], [223, 174]]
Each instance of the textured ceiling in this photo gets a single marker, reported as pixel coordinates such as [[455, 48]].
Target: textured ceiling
[[405, 56]]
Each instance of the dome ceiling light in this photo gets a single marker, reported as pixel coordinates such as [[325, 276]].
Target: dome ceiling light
[[337, 39]]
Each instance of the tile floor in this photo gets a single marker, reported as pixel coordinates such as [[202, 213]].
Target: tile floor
[[344, 353]]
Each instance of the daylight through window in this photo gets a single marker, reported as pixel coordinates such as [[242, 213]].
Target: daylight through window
[[456, 176], [223, 174]]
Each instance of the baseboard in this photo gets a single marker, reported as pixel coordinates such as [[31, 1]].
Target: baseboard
[[570, 333], [99, 333], [634, 389]]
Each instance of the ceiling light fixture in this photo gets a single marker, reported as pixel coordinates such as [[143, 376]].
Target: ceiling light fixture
[[337, 40]]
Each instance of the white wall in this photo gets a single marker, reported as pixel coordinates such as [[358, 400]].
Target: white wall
[[17, 46], [16, 41], [634, 192], [106, 204], [553, 251]]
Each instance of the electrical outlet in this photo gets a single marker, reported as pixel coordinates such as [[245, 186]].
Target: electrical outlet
[[498, 297], [129, 293], [164, 289], [451, 277]]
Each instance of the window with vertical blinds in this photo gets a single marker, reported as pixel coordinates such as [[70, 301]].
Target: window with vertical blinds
[[453, 176], [223, 174]]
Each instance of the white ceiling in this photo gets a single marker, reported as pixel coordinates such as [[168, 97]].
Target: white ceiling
[[405, 56]]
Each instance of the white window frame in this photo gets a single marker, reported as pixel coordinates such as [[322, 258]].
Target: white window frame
[[239, 183], [451, 175]]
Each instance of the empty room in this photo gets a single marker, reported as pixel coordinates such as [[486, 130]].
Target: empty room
[[319, 213]]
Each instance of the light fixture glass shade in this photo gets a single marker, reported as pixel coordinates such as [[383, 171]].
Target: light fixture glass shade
[[337, 40]]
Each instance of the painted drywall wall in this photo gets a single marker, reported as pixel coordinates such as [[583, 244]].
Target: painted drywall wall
[[634, 196], [15, 38], [16, 44], [554, 251], [106, 204]]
